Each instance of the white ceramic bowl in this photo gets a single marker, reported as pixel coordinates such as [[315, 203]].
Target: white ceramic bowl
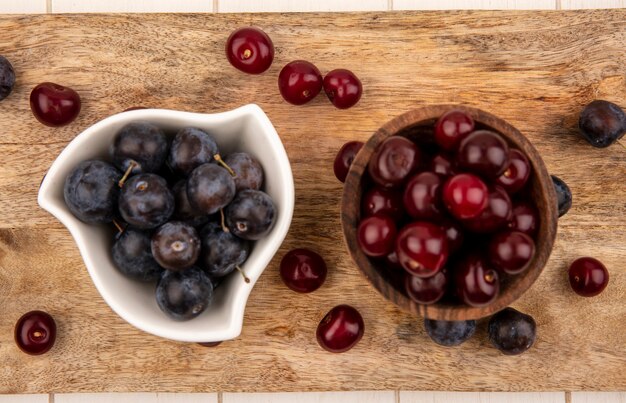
[[244, 129]]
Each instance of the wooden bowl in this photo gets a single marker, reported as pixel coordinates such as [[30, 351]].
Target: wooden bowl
[[418, 125]]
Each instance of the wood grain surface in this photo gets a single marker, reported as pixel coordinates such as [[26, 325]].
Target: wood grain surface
[[534, 69]]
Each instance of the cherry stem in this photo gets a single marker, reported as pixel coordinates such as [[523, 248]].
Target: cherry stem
[[246, 279], [119, 227], [223, 221], [220, 161], [131, 166]]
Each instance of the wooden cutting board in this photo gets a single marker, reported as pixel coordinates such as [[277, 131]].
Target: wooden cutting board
[[534, 69]]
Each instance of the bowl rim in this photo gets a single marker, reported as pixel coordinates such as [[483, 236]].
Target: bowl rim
[[47, 201], [350, 213]]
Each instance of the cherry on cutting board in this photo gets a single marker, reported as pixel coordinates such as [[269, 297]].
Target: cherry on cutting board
[[344, 158], [588, 276], [299, 82], [303, 270], [54, 105], [250, 50], [341, 329], [343, 88], [35, 332]]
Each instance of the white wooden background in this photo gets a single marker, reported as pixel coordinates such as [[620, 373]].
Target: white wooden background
[[82, 6]]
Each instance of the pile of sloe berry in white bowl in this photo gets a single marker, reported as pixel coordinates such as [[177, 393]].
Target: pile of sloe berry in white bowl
[[175, 214]]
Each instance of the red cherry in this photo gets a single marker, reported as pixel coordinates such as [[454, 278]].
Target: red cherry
[[511, 251], [451, 128], [442, 165], [303, 270], [465, 196], [426, 290], [376, 235], [588, 276], [54, 105], [35, 332], [344, 158], [383, 201], [343, 88], [393, 161], [525, 218], [496, 216], [422, 196], [341, 329], [422, 248], [210, 343], [250, 50], [483, 152], [299, 82], [516, 174], [476, 283]]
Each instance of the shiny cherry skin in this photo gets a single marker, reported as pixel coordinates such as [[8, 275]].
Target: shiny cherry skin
[[344, 158], [476, 283], [602, 123], [299, 82], [588, 276], [428, 290], [384, 201], [465, 196], [377, 235], [422, 248], [341, 329], [250, 50], [35, 332], [422, 196], [303, 270], [496, 216], [525, 218], [442, 164], [393, 161], [54, 105], [343, 88], [483, 152], [511, 251], [516, 174], [451, 128], [454, 233]]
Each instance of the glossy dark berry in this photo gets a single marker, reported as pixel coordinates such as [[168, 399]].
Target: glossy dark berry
[[451, 128], [251, 214], [376, 235], [191, 148], [422, 248], [344, 158], [422, 196], [525, 218], [602, 123], [477, 284], [210, 188], [454, 234], [465, 196], [511, 331], [299, 82], [442, 164], [563, 195], [140, 144], [145, 201], [35, 332], [516, 174], [221, 252], [175, 245], [91, 191], [341, 329], [450, 333], [54, 105], [511, 251], [343, 88], [483, 152], [7, 77], [250, 50], [426, 290], [588, 276], [132, 256], [183, 210], [303, 270], [382, 201], [496, 216], [393, 161], [248, 171], [185, 294]]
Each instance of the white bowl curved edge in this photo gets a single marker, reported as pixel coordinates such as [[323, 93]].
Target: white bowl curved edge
[[243, 129]]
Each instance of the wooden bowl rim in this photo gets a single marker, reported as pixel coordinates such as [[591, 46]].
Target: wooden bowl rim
[[548, 215]]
